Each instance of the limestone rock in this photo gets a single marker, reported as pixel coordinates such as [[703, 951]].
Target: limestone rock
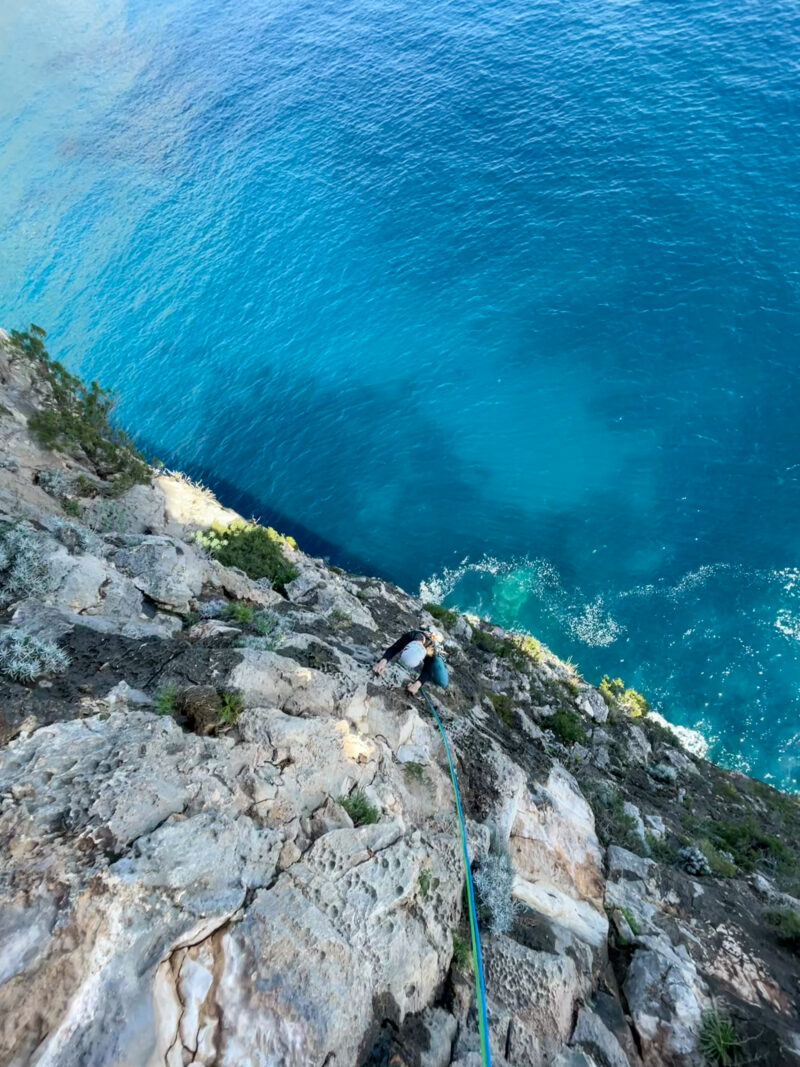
[[557, 857], [166, 570]]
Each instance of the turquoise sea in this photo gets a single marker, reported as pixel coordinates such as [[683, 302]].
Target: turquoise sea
[[498, 297]]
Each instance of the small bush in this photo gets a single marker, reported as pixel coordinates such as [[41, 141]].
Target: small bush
[[520, 650], [231, 706], [426, 882], [659, 850], [25, 657], [414, 772], [237, 611], [493, 882], [719, 1043], [718, 861], [787, 925], [78, 420], [618, 697], [359, 808], [488, 642], [528, 646], [337, 617], [613, 825], [503, 707], [443, 615], [462, 952], [165, 699], [751, 847], [256, 550], [23, 567], [567, 726]]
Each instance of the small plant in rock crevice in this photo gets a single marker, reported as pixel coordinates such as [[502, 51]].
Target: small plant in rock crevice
[[718, 1041], [165, 700], [462, 952], [359, 808], [426, 882], [231, 706], [24, 657], [567, 725], [413, 771], [503, 707], [613, 825], [237, 611]]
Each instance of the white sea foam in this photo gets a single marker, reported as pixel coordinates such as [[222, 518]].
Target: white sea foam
[[517, 581], [692, 740]]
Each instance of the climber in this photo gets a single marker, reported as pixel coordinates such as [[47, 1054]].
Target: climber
[[418, 648]]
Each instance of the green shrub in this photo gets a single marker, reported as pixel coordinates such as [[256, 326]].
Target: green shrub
[[462, 952], [359, 808], [256, 550], [520, 650], [787, 925], [658, 849], [528, 646], [337, 617], [237, 611], [719, 864], [567, 725], [488, 642], [78, 422], [413, 771], [443, 615], [751, 847], [613, 825], [231, 706], [25, 657], [618, 697], [503, 707], [719, 1043], [165, 699]]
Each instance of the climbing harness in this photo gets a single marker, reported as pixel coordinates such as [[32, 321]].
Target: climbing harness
[[477, 958]]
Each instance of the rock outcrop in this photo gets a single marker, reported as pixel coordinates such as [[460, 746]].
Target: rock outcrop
[[225, 841]]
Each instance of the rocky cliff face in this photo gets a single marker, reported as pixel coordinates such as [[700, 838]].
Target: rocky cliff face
[[226, 842]]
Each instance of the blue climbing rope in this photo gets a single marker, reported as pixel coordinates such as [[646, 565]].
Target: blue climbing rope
[[477, 958]]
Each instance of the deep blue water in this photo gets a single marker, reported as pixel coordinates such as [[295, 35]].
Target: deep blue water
[[500, 296]]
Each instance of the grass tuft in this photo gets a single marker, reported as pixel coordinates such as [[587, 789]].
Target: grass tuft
[[359, 808], [719, 1043], [166, 698]]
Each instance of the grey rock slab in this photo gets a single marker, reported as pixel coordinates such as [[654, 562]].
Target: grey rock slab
[[169, 572], [592, 1033]]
